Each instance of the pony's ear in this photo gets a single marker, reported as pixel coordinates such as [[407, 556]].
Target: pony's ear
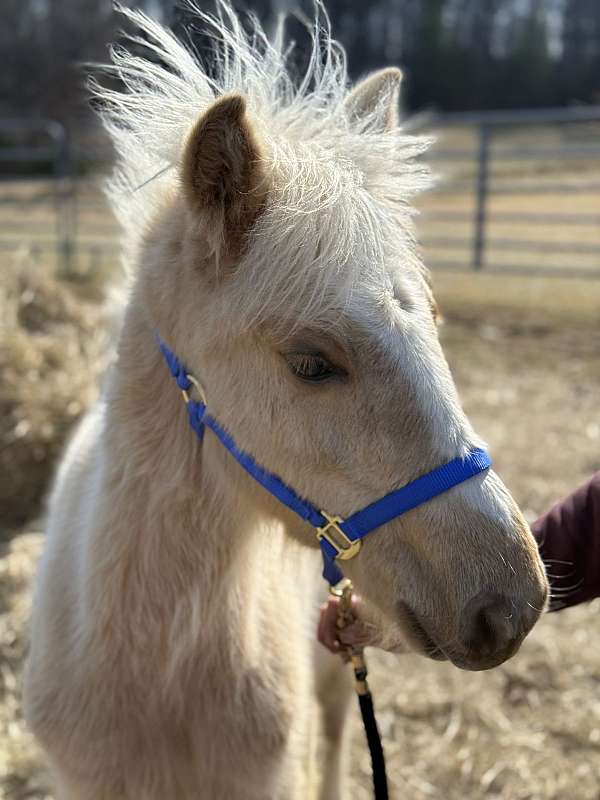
[[223, 174], [375, 100]]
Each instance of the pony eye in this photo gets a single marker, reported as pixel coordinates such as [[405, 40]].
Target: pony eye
[[311, 367]]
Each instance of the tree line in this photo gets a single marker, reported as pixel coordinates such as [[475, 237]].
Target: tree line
[[456, 54]]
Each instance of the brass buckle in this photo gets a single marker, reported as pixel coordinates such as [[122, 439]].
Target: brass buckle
[[197, 386], [345, 548]]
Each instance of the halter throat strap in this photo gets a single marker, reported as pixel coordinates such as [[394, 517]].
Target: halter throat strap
[[339, 539]]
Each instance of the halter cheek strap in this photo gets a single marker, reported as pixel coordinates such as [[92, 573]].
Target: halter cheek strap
[[339, 538]]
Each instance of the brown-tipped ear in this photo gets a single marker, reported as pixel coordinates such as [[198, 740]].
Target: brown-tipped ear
[[223, 171], [377, 98]]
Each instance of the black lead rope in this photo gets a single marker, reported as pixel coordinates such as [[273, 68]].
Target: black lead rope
[[345, 616], [365, 701]]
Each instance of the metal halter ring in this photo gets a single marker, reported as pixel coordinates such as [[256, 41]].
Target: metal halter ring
[[198, 387], [345, 547]]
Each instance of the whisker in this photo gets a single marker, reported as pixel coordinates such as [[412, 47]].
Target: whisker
[[149, 180], [507, 564], [535, 608], [560, 577], [563, 589]]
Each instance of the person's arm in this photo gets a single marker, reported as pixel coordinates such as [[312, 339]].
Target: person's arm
[[568, 537]]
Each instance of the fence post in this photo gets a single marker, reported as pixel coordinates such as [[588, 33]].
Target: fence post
[[481, 191], [65, 196]]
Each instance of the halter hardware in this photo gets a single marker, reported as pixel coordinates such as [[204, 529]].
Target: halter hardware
[[185, 393], [345, 548]]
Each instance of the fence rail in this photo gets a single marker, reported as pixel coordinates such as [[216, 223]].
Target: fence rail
[[511, 155], [520, 193]]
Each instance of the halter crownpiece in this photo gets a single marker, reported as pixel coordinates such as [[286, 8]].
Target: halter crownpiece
[[339, 538]]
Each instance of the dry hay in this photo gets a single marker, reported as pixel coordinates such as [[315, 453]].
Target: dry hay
[[22, 773], [529, 730], [52, 350]]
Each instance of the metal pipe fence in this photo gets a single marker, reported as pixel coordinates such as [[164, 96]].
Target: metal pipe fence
[[520, 193], [546, 157], [49, 209]]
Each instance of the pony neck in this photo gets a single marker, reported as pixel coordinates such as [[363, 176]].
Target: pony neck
[[185, 491]]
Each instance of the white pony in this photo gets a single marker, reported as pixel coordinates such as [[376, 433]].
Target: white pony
[[173, 649]]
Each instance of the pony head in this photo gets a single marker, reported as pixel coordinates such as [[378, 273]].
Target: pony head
[[279, 260]]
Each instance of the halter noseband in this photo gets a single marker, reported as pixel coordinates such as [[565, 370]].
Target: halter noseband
[[339, 538]]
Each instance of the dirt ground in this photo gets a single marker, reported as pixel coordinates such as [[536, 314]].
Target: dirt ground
[[526, 356]]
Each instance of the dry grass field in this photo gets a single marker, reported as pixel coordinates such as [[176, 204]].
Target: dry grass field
[[526, 356]]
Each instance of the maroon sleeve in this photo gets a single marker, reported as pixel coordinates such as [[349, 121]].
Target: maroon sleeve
[[568, 538]]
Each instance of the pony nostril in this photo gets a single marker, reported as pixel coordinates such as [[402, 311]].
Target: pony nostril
[[484, 628], [488, 625]]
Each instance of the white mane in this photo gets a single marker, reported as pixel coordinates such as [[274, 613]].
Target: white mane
[[340, 186]]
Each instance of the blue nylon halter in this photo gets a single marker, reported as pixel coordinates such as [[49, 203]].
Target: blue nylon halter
[[338, 538]]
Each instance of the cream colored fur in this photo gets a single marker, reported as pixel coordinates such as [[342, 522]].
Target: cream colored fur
[[173, 650]]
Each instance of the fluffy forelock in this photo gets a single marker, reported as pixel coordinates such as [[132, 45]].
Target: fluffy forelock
[[339, 201]]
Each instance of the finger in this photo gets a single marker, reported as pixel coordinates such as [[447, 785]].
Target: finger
[[327, 633], [355, 634], [356, 604], [322, 633], [331, 631], [320, 630]]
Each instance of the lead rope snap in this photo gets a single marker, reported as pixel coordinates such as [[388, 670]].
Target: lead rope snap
[[345, 616]]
